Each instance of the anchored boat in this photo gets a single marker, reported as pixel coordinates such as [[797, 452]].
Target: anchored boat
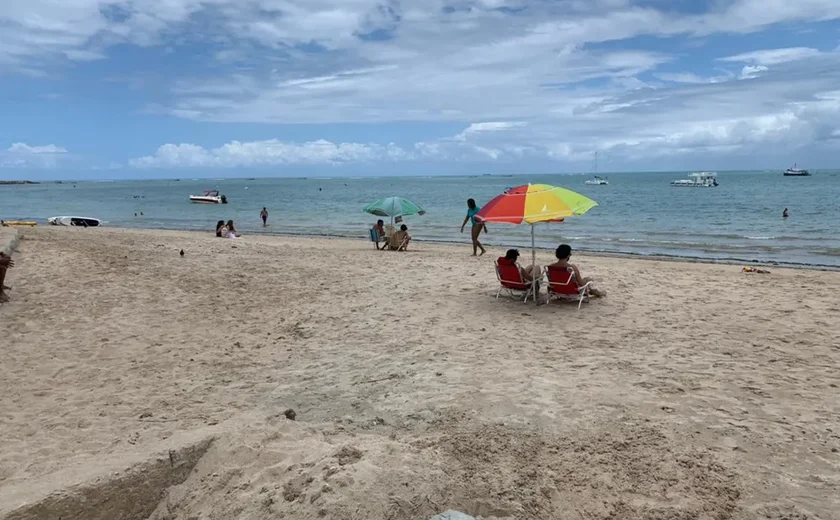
[[209, 197], [600, 181], [796, 172], [698, 180]]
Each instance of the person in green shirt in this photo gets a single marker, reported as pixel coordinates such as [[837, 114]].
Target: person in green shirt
[[477, 227]]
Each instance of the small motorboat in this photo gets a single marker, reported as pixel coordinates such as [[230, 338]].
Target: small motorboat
[[598, 181], [14, 223], [209, 197], [74, 221]]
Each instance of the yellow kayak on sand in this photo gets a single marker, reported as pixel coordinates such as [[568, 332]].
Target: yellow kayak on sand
[[18, 223]]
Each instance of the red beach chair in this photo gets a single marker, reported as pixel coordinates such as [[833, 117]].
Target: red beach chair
[[510, 280], [562, 286]]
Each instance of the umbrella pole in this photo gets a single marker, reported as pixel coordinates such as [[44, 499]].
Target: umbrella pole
[[533, 266]]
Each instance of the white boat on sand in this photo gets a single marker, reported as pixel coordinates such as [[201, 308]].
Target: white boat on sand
[[74, 221]]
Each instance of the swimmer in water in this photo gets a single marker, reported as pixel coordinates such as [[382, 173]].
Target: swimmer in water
[[785, 213]]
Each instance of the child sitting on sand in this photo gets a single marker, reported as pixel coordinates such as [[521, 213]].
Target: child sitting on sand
[[228, 231]]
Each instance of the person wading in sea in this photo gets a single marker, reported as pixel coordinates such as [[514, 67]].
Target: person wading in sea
[[264, 216]]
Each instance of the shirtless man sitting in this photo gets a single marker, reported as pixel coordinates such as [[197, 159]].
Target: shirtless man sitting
[[6, 263], [400, 239], [564, 254]]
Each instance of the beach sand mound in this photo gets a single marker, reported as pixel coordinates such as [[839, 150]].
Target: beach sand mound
[[117, 488], [624, 469]]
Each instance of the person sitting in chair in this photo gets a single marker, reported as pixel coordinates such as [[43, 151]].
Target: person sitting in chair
[[400, 239], [381, 236], [563, 254], [528, 273]]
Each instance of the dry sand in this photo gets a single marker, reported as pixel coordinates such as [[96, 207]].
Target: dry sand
[[692, 392]]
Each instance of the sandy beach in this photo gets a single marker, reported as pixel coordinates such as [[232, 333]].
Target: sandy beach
[[693, 391]]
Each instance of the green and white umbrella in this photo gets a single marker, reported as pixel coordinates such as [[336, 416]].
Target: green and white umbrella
[[393, 207]]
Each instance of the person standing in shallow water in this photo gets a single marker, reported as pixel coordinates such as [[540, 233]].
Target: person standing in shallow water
[[477, 227], [264, 216]]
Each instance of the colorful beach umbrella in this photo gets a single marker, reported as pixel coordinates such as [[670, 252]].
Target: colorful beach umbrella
[[393, 207], [534, 203]]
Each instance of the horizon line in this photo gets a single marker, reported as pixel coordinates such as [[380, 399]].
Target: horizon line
[[358, 177]]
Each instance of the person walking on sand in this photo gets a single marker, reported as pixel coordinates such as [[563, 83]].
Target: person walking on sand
[[264, 216], [477, 227], [6, 263]]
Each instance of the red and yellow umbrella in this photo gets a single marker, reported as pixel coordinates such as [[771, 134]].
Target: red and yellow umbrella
[[534, 203]]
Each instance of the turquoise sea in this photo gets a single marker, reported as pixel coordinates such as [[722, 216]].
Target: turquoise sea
[[639, 213]]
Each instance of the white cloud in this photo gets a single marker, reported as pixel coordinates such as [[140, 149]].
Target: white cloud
[[267, 153], [690, 77], [549, 81], [22, 155], [23, 148], [83, 55], [489, 126], [751, 71], [773, 56], [84, 29]]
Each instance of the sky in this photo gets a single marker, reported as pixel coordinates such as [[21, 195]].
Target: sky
[[170, 88]]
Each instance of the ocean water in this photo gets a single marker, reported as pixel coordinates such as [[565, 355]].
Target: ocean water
[[638, 213]]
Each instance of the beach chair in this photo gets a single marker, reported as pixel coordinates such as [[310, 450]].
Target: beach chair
[[562, 286], [397, 245], [510, 280], [374, 237]]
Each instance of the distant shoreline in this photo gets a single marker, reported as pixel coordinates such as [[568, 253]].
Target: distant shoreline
[[572, 173], [19, 182]]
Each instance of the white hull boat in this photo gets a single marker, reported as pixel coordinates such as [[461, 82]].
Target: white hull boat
[[598, 181], [74, 221], [209, 197], [796, 172], [698, 180]]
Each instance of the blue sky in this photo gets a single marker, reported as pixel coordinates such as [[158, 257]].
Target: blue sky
[[170, 88]]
